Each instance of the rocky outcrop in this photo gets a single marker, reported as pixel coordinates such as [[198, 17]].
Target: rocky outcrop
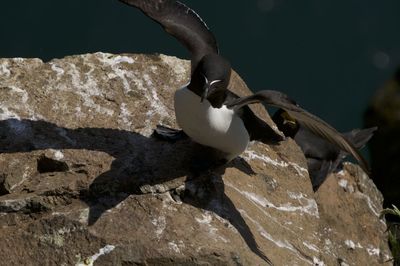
[[384, 112], [82, 181]]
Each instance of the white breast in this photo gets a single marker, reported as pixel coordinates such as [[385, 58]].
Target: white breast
[[219, 128]]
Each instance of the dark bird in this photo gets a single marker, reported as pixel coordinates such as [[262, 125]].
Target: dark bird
[[205, 109], [322, 156]]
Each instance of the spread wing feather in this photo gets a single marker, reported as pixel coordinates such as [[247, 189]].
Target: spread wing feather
[[312, 122], [181, 22]]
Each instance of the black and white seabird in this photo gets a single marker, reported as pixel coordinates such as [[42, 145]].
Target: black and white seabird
[[322, 156], [205, 109]]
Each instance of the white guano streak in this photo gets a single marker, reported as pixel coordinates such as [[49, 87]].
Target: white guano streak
[[59, 71], [142, 82], [310, 208], [251, 155], [206, 221], [4, 70], [280, 243], [103, 251], [86, 89]]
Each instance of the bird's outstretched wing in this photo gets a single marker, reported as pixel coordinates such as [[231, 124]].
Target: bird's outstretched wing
[[310, 121], [257, 128], [181, 22]]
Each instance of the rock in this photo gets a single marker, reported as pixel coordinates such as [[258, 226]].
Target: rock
[[82, 181], [384, 112]]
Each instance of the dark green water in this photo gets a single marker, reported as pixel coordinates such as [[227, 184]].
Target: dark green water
[[328, 55]]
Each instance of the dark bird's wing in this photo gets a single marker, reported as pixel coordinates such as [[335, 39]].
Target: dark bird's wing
[[308, 120], [258, 129], [181, 22]]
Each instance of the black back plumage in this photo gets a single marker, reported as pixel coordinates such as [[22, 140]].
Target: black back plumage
[[323, 157], [313, 123], [181, 22]]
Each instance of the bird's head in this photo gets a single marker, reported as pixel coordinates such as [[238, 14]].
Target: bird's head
[[287, 124], [211, 77]]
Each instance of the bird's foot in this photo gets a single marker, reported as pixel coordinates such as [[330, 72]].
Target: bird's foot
[[168, 134]]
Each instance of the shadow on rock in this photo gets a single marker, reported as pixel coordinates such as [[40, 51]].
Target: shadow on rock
[[141, 165], [211, 189]]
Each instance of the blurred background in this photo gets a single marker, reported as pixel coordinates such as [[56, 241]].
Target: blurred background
[[330, 56]]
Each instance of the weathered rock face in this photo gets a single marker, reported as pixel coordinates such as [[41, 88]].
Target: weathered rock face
[[82, 180], [384, 112]]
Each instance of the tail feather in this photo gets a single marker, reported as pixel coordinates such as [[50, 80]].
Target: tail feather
[[360, 137]]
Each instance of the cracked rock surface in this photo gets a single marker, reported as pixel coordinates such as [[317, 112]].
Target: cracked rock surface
[[83, 182]]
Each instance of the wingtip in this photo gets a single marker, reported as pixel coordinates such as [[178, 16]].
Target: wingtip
[[366, 168], [129, 2]]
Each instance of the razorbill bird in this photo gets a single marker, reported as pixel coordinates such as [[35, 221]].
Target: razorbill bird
[[322, 156], [205, 109]]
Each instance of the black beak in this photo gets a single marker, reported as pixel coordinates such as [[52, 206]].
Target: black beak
[[205, 93]]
